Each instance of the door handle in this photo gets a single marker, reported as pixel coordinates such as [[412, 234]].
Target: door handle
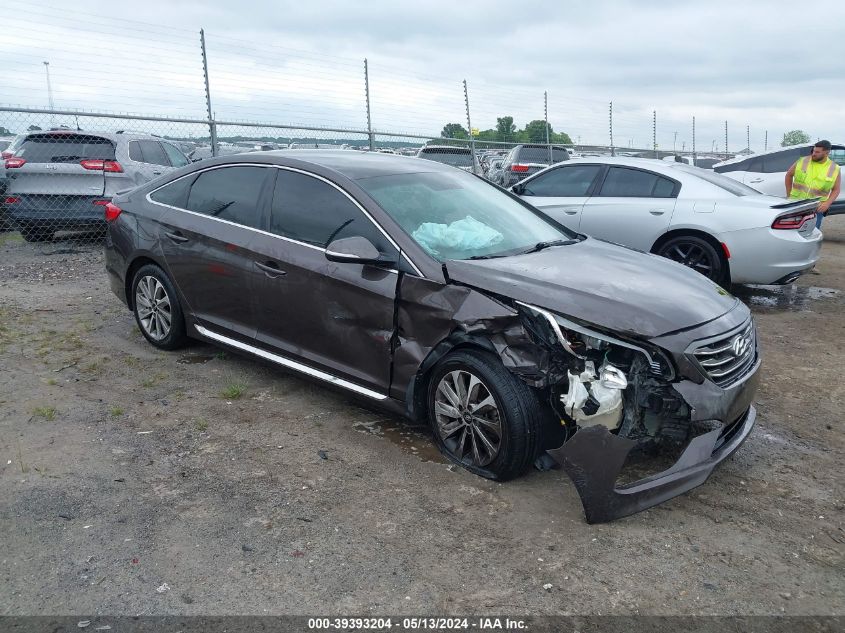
[[756, 180], [571, 211], [271, 269], [176, 237], [157, 173], [657, 211]]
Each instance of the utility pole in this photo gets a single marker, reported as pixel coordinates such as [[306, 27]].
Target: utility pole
[[49, 91], [469, 127], [726, 140], [212, 126], [674, 141], [766, 141], [612, 150], [367, 95], [748, 137]]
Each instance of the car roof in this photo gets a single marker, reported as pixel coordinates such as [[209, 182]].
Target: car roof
[[446, 149], [652, 164], [739, 159], [348, 163], [111, 136]]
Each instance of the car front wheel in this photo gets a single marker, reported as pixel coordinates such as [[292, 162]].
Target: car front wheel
[[483, 417], [156, 307]]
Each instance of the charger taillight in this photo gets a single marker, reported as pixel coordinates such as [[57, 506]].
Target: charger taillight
[[14, 163], [793, 220]]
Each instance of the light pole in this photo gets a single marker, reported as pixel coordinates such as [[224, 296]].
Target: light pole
[[49, 91], [674, 142]]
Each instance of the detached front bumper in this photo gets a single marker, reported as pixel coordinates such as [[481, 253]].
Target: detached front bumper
[[594, 457]]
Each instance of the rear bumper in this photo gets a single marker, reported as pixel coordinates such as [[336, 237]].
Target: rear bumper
[[55, 211], [769, 256]]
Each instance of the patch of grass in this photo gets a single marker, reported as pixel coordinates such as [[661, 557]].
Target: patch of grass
[[201, 424], [221, 355], [131, 361], [48, 413], [234, 391], [115, 411], [152, 381], [11, 238], [52, 381]]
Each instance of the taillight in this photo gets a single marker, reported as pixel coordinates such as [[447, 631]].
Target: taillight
[[14, 163], [111, 212], [6, 154], [519, 168], [11, 200], [793, 221], [102, 165]]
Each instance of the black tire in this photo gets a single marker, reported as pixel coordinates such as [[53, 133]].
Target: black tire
[[37, 235], [174, 336], [696, 253], [520, 415]]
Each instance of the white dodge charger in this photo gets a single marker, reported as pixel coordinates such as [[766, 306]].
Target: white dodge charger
[[709, 222]]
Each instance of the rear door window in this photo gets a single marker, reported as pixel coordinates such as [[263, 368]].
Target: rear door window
[[573, 181], [229, 193], [309, 210], [541, 155], [622, 182], [61, 148], [174, 194], [177, 158], [152, 153]]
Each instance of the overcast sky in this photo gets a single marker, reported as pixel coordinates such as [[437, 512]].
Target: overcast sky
[[751, 63]]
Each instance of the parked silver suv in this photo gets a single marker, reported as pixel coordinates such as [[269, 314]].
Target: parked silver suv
[[60, 180]]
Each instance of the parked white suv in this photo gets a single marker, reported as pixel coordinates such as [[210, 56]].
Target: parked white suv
[[766, 171]]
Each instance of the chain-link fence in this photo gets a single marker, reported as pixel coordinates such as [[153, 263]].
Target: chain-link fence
[[205, 95]]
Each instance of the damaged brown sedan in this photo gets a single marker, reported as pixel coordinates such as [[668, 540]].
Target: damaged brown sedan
[[439, 296]]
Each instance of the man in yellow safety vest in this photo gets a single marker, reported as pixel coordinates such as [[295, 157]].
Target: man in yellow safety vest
[[815, 176]]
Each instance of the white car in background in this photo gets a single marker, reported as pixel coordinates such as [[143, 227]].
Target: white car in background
[[717, 226], [766, 171]]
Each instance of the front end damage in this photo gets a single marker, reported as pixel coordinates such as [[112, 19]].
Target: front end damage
[[618, 398]]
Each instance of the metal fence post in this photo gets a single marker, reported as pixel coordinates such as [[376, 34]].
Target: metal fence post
[[654, 132], [546, 117], [726, 141], [766, 141], [612, 149], [469, 125], [212, 126], [367, 95]]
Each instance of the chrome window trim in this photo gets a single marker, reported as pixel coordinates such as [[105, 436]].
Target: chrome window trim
[[281, 237], [291, 364]]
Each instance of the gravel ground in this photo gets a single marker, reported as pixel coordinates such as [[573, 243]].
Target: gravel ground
[[134, 481]]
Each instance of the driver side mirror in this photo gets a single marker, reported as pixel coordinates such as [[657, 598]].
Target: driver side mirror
[[356, 250], [518, 189]]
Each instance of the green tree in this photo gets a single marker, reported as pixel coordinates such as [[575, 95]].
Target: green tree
[[505, 128], [795, 137], [535, 132], [454, 130]]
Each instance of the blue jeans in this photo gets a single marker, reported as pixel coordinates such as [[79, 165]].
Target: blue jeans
[[819, 217]]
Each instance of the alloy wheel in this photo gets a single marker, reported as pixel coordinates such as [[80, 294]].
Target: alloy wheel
[[468, 418], [153, 306], [692, 255]]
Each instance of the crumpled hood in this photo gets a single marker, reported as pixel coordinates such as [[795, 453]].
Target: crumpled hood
[[604, 284]]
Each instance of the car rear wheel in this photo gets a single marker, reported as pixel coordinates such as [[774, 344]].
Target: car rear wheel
[[696, 253], [156, 306], [482, 416]]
